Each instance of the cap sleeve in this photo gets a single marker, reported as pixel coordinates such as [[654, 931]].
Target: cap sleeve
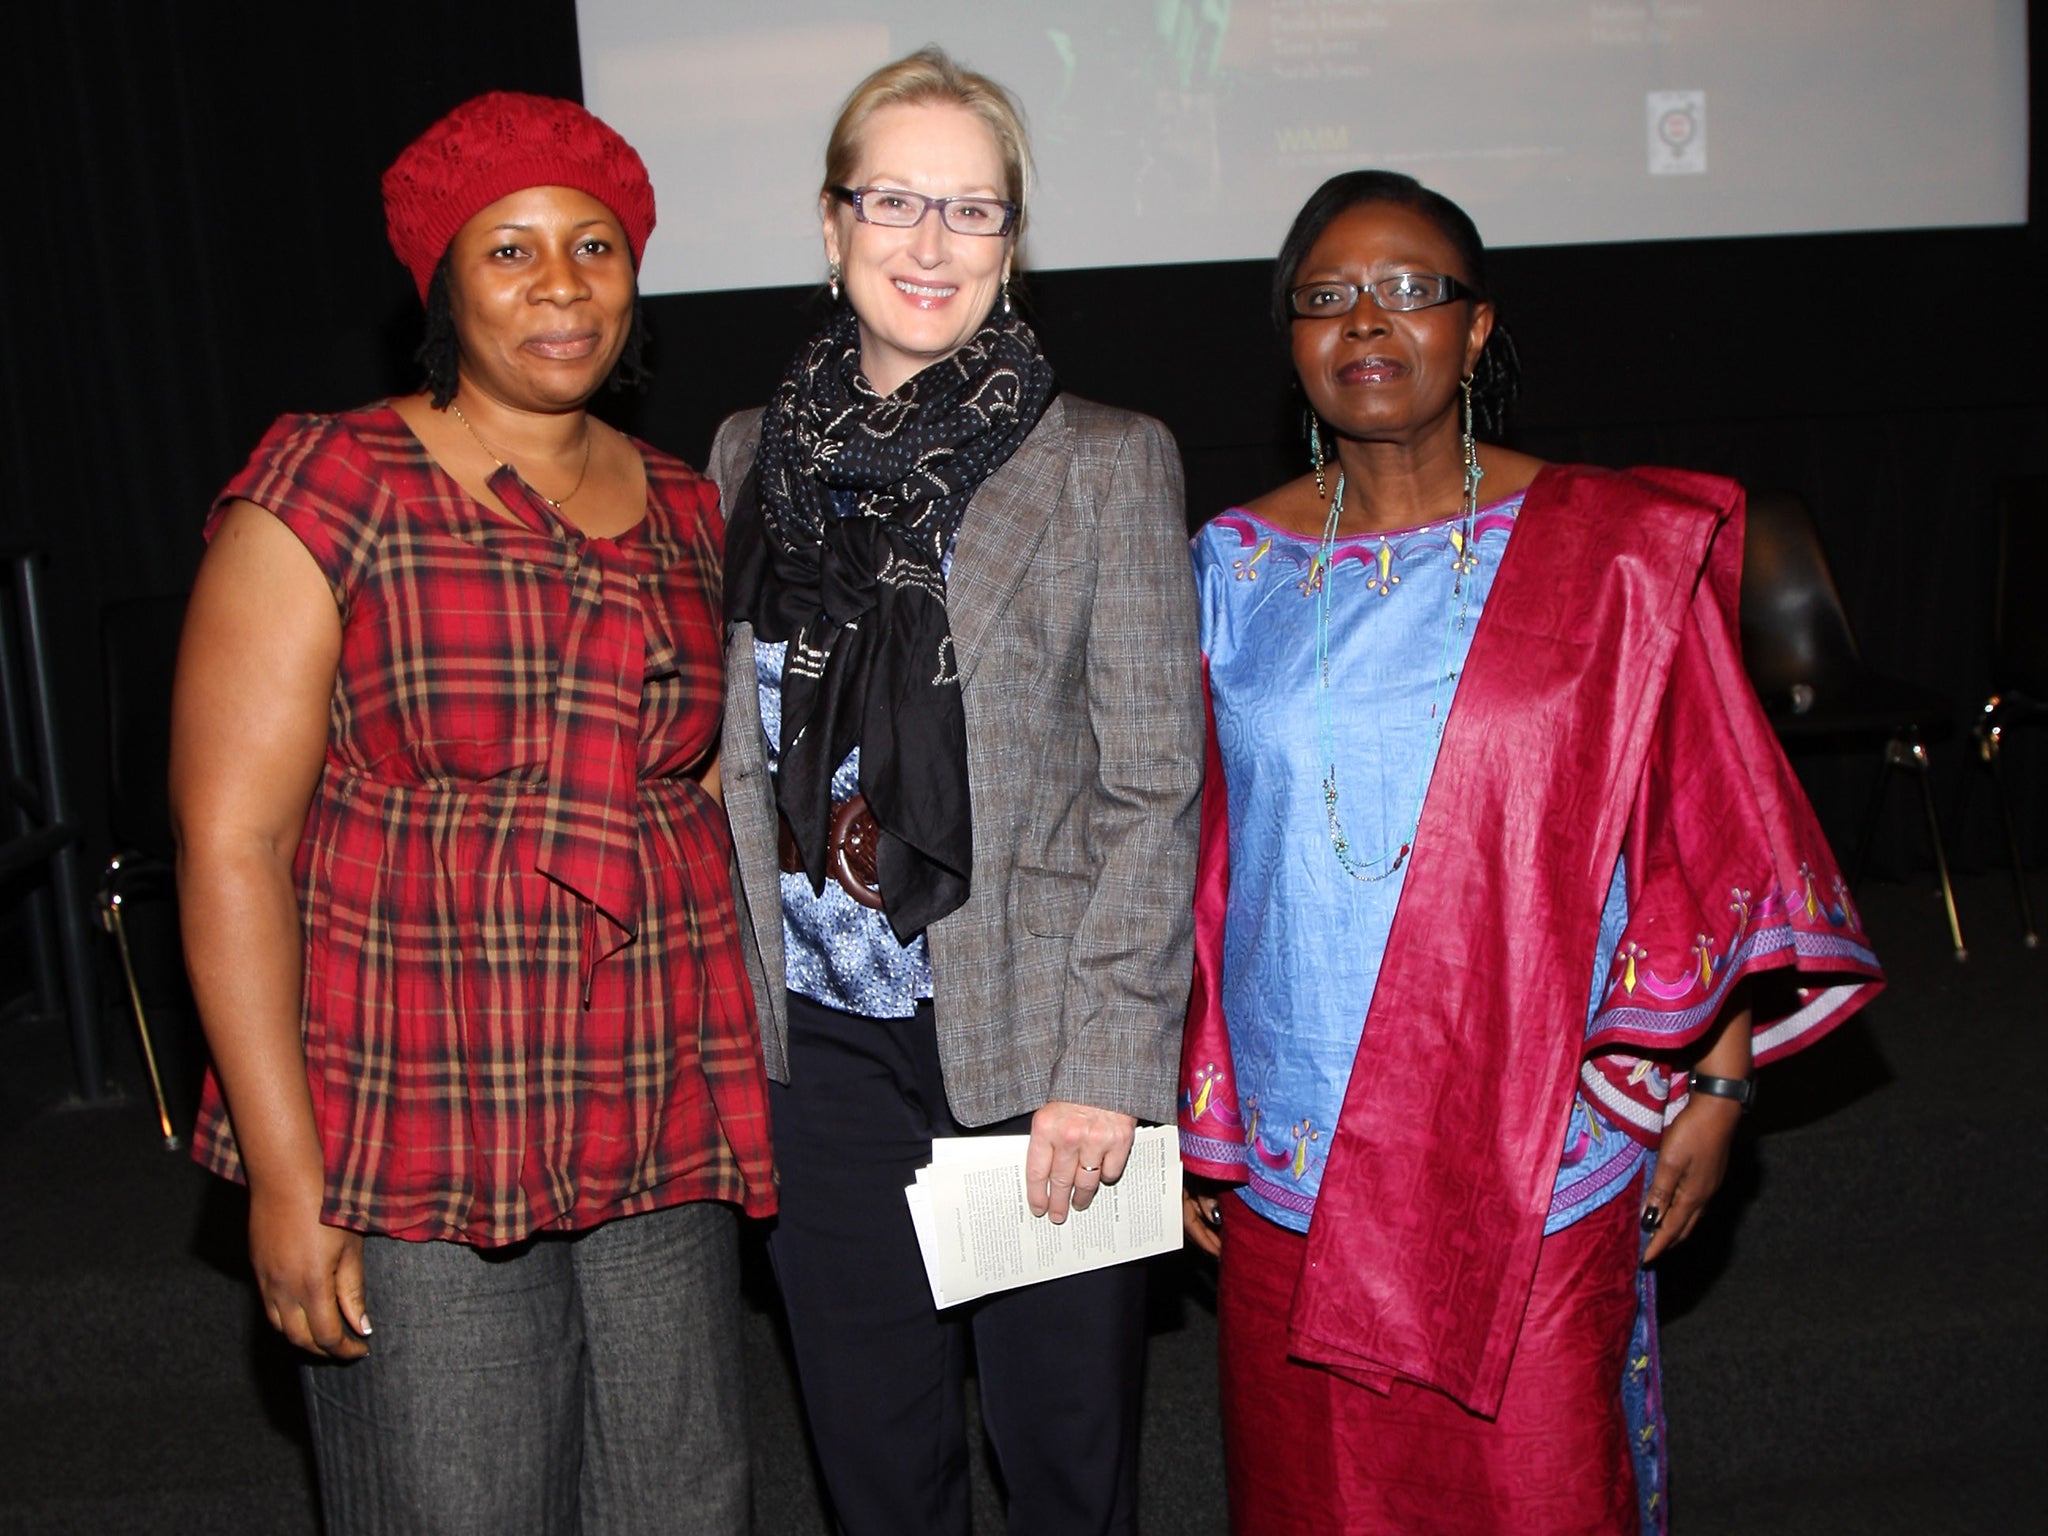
[[315, 476]]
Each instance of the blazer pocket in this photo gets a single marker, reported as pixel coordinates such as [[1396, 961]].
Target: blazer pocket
[[1052, 904]]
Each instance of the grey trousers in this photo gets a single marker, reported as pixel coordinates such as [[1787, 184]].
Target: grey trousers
[[575, 1385]]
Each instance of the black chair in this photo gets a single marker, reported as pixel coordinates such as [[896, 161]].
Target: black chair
[[2019, 653], [138, 658], [1802, 657]]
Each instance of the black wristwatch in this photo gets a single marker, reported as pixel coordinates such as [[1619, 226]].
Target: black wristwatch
[[1741, 1089]]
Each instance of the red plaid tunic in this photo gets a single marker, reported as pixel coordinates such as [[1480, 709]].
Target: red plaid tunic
[[525, 1007]]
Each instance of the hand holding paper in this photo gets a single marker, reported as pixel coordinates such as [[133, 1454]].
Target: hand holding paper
[[1075, 1149], [972, 1213]]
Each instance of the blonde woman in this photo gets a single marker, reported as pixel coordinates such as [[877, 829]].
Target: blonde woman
[[963, 754]]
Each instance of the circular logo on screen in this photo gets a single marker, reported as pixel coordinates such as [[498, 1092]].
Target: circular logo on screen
[[1678, 128]]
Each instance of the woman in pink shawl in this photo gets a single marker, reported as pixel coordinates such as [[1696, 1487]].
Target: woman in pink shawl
[[1494, 837]]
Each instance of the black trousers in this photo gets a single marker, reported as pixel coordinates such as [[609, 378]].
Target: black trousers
[[882, 1371]]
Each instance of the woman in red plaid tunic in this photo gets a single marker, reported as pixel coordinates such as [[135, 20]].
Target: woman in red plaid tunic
[[453, 871]]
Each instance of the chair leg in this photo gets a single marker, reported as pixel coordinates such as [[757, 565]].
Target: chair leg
[[110, 915], [1988, 738], [66, 890], [1910, 752]]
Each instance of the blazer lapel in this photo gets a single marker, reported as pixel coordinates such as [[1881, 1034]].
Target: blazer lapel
[[1001, 532]]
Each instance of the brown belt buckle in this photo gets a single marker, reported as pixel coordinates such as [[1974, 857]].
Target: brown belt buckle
[[852, 843], [856, 841]]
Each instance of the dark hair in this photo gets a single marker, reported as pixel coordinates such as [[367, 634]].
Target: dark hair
[[1498, 373], [439, 351]]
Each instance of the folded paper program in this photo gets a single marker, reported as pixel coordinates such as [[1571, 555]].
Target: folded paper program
[[978, 1235]]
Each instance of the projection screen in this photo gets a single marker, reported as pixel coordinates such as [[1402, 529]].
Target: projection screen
[[1189, 130]]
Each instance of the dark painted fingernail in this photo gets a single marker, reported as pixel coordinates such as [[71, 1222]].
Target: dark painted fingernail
[[1652, 1218], [1215, 1215]]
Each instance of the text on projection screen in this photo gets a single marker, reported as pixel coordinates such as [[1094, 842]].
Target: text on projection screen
[[1175, 132]]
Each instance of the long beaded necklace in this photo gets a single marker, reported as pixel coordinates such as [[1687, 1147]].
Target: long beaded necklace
[[1464, 562], [492, 452]]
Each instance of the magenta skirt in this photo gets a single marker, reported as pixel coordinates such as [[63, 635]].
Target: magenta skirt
[[1309, 1451]]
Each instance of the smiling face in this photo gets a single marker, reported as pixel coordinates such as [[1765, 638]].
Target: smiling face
[[1379, 374], [541, 288], [919, 293]]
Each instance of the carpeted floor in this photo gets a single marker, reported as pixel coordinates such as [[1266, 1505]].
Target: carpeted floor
[[1855, 1344]]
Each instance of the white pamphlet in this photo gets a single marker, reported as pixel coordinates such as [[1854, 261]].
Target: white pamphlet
[[978, 1235]]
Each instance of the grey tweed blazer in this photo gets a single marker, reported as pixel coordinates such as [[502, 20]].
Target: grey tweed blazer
[[1072, 604]]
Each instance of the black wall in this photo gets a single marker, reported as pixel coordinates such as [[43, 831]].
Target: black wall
[[196, 244]]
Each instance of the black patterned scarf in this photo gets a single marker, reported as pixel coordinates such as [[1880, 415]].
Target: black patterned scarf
[[861, 598]]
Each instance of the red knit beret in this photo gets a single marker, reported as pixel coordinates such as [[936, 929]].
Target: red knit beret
[[499, 143]]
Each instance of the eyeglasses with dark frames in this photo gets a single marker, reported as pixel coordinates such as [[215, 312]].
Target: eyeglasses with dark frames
[[895, 208], [1402, 292]]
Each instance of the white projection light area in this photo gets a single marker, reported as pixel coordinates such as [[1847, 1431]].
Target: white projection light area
[[1190, 130]]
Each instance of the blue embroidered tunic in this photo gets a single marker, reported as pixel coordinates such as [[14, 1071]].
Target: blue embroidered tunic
[[1303, 938]]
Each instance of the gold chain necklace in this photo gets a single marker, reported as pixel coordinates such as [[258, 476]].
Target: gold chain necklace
[[493, 455]]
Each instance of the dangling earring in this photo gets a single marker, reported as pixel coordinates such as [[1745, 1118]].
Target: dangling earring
[[1471, 448], [1006, 293], [1315, 458], [832, 280]]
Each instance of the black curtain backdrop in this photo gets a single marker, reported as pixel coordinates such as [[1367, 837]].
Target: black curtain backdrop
[[198, 245]]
